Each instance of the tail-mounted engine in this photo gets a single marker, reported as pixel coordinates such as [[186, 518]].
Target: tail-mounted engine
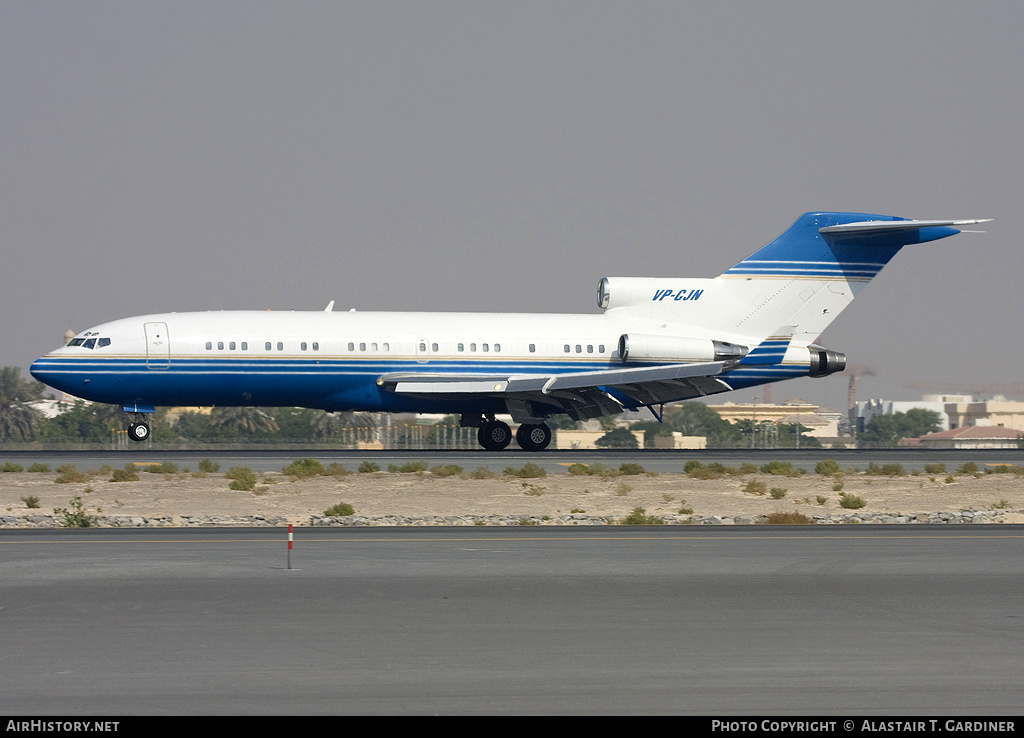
[[825, 361], [641, 347]]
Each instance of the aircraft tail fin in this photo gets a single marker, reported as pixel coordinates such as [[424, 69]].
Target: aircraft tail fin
[[810, 273]]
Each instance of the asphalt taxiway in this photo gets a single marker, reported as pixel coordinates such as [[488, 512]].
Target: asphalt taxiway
[[749, 620]]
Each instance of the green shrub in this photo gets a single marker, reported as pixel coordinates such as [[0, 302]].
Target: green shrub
[[885, 470], [851, 502], [340, 510], [76, 517], [482, 472], [446, 470], [129, 474], [631, 469], [755, 487], [242, 478], [827, 468], [303, 468], [37, 467], [31, 501], [781, 469], [67, 473], [166, 467], [639, 516], [335, 470], [10, 466], [967, 468], [993, 469], [209, 466], [821, 499], [691, 466], [527, 471], [777, 493], [935, 468], [409, 467], [368, 467], [787, 518]]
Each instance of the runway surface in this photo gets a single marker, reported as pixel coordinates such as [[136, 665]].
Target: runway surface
[[750, 620]]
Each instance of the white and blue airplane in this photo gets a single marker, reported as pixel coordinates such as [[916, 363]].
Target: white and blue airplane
[[657, 340]]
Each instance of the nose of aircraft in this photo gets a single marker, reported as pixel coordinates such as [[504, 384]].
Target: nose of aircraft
[[46, 372]]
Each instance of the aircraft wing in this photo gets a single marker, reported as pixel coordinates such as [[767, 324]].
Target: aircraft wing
[[579, 394]]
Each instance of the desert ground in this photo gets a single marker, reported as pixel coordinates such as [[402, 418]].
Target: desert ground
[[488, 497]]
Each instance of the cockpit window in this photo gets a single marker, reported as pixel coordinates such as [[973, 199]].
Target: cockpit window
[[89, 343], [76, 342], [102, 342]]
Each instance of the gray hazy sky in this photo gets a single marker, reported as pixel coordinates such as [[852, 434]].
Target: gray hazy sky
[[505, 156]]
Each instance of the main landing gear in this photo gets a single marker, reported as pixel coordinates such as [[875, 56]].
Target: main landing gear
[[495, 435], [139, 430]]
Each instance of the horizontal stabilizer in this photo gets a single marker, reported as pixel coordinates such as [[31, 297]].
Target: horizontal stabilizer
[[878, 226]]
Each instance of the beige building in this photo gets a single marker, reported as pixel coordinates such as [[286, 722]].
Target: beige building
[[823, 421], [997, 412], [585, 439]]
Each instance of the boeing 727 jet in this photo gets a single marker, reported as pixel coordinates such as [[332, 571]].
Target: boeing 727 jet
[[657, 340]]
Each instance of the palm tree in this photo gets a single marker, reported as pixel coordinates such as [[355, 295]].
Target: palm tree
[[17, 419], [243, 421], [328, 425]]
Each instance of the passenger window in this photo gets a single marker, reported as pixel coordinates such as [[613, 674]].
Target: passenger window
[[245, 346], [566, 348], [590, 348], [600, 348], [497, 347], [423, 346], [579, 349], [231, 345], [533, 348], [266, 346], [433, 347], [302, 345], [280, 346], [362, 347], [462, 347], [387, 346], [472, 347], [316, 346], [220, 345], [351, 347], [485, 347], [209, 345]]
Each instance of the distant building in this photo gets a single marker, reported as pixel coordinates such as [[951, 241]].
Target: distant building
[[955, 411], [970, 437], [678, 441], [823, 421], [585, 439], [997, 412], [936, 403]]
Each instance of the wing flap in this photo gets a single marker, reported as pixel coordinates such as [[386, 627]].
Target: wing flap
[[580, 394]]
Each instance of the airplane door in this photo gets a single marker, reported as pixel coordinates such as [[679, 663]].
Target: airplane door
[[158, 347]]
